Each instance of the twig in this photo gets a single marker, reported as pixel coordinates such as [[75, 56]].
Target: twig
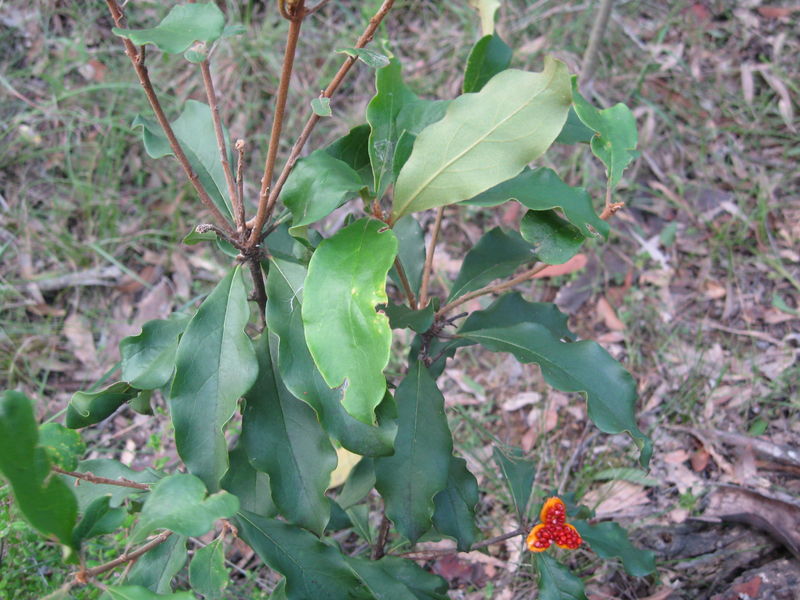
[[208, 82], [383, 533], [137, 60], [240, 147], [266, 203], [103, 480], [595, 37], [423, 554], [610, 207], [492, 289], [259, 291], [365, 38], [316, 7], [426, 271], [84, 575], [401, 273]]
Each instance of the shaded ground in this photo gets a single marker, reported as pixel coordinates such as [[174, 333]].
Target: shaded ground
[[696, 293]]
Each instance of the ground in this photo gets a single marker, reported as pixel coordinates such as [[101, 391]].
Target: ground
[[696, 292]]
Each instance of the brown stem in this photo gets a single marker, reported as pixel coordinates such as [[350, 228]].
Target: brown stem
[[84, 575], [240, 147], [365, 38], [103, 480], [259, 291], [137, 59], [492, 289], [610, 207], [205, 69], [265, 204], [316, 7], [426, 272], [383, 533], [423, 554], [401, 273]]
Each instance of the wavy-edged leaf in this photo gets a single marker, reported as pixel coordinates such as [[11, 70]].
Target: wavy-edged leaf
[[251, 487], [512, 309], [574, 131], [215, 364], [285, 283], [282, 437], [573, 367], [348, 339], [416, 116], [179, 503], [136, 592], [312, 569], [148, 359], [99, 518], [183, 25], [543, 189], [400, 317], [484, 138], [207, 572], [417, 471], [45, 500], [353, 150], [110, 469], [608, 540], [391, 95], [142, 404], [402, 150], [614, 142], [554, 240], [88, 408], [318, 185], [64, 446], [410, 251], [371, 58], [321, 106], [155, 568], [556, 582], [394, 578], [195, 131], [489, 56], [454, 514], [519, 474], [497, 254], [359, 483]]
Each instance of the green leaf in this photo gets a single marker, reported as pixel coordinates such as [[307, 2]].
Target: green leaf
[[573, 367], [321, 106], [487, 10], [542, 189], [358, 484], [349, 341], [484, 139], [608, 540], [488, 57], [519, 474], [497, 254], [405, 143], [148, 359], [110, 469], [373, 59], [64, 446], [512, 309], [574, 131], [299, 473], [317, 186], [417, 115], [195, 131], [156, 568], [382, 111], [279, 593], [400, 317], [418, 470], [353, 150], [86, 408], [285, 283], [98, 519], [45, 500], [142, 403], [312, 569], [251, 487], [615, 139], [380, 579], [178, 503], [554, 239], [136, 592], [215, 364], [410, 252], [454, 514], [183, 25], [194, 237], [556, 582], [207, 572]]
